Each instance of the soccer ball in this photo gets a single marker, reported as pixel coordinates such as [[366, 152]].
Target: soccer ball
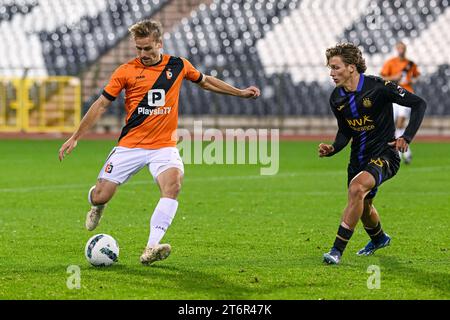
[[102, 250]]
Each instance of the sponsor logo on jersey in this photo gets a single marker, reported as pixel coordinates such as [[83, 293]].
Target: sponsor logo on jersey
[[156, 98], [154, 112], [340, 107], [361, 124]]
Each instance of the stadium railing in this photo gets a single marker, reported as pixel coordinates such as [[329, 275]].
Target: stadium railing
[[39, 104]]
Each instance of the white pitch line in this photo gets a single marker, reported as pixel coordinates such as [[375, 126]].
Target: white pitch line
[[76, 186], [206, 179], [344, 192]]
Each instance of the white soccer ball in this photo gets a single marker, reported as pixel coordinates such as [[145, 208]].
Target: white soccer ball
[[102, 250]]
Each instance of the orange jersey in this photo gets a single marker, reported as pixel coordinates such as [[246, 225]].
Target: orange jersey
[[408, 68], [151, 100]]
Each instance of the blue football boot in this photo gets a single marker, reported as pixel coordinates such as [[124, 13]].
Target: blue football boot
[[371, 247]]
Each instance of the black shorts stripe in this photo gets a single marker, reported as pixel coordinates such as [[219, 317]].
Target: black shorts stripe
[[110, 154], [175, 65]]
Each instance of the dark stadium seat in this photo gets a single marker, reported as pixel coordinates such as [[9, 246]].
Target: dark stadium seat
[[398, 19]]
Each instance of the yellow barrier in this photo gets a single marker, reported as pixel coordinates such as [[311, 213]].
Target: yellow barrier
[[44, 104]]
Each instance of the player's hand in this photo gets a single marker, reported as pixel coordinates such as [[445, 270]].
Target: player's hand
[[325, 149], [400, 144], [67, 148], [250, 92]]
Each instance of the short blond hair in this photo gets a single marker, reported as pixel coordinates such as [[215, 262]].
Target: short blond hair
[[147, 28]]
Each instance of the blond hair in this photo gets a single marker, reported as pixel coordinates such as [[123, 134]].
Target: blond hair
[[147, 28], [349, 53]]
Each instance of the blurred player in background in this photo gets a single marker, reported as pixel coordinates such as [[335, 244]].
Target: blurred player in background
[[362, 106], [152, 84], [404, 72]]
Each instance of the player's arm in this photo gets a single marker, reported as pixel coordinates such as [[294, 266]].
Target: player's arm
[[213, 84], [415, 74], [89, 120], [340, 141], [328, 150], [418, 106]]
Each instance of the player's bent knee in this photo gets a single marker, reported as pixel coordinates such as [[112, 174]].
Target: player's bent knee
[[171, 190], [102, 193], [357, 191], [99, 197]]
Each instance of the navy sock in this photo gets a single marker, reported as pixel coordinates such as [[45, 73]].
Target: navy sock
[[342, 238], [376, 234]]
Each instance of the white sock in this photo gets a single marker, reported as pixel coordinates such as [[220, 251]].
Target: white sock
[[407, 154], [90, 199], [161, 219], [399, 132]]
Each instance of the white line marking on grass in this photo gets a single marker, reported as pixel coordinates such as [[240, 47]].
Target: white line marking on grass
[[45, 188], [333, 193], [149, 181]]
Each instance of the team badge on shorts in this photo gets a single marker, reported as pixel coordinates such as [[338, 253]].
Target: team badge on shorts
[[109, 168], [378, 162]]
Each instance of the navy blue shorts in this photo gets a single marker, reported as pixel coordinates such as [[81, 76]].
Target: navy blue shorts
[[382, 168]]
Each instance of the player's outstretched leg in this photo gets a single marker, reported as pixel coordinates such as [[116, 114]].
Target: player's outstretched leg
[[103, 190], [358, 188], [371, 221], [95, 214]]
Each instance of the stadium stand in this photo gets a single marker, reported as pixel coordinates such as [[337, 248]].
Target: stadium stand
[[68, 50], [222, 39], [9, 9], [276, 45]]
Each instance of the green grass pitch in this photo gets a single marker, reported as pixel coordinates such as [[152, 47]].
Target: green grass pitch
[[236, 235]]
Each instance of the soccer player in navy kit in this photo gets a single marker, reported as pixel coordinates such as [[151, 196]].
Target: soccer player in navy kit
[[362, 106]]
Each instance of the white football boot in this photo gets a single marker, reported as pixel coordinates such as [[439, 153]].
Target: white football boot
[[95, 214], [156, 253], [93, 217]]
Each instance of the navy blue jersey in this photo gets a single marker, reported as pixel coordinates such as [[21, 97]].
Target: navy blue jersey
[[366, 117]]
